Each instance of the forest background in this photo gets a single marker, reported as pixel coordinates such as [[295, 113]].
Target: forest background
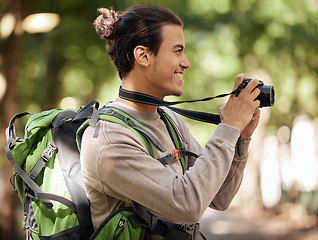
[[272, 40]]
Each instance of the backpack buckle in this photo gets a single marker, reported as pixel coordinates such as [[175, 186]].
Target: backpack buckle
[[48, 152], [170, 158], [192, 229], [176, 155]]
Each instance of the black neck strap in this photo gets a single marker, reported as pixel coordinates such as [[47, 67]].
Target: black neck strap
[[150, 100]]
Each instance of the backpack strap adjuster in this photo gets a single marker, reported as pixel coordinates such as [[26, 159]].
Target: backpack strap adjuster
[[48, 152], [46, 156], [176, 155], [170, 158]]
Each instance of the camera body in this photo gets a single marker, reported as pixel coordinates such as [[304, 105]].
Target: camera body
[[267, 93]]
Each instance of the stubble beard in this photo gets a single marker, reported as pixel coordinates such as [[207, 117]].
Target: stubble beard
[[159, 81]]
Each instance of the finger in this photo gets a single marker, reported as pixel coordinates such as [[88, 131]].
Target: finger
[[251, 86], [254, 92], [256, 114], [238, 80], [256, 103]]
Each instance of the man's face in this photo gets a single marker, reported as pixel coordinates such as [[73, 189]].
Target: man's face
[[167, 67]]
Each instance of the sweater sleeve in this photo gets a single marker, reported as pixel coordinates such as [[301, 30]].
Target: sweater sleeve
[[232, 182], [234, 176], [124, 170]]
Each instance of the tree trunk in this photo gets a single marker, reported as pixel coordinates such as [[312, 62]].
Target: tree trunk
[[11, 51], [8, 108]]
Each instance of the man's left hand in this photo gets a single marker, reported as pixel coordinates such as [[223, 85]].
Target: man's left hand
[[249, 129]]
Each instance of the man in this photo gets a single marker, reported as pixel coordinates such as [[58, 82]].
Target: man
[[147, 46]]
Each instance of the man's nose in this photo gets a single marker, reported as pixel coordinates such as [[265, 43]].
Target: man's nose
[[185, 63]]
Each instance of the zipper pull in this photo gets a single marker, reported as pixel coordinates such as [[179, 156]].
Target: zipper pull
[[120, 228]]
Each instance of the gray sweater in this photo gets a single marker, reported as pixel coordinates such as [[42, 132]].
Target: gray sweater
[[116, 169]]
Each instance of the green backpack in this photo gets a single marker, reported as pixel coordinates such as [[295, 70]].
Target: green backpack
[[47, 176]]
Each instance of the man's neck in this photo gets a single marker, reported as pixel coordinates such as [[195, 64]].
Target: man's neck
[[138, 106], [130, 83]]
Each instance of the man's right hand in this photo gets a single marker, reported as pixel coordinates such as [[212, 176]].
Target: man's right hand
[[238, 111]]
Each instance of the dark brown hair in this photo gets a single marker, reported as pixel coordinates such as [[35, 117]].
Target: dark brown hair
[[139, 25]]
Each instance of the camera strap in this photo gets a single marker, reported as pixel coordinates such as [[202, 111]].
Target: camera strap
[[195, 115]]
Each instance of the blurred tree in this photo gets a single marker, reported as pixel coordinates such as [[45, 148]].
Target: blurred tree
[[11, 51]]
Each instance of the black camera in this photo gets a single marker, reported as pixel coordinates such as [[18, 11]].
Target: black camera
[[266, 96]]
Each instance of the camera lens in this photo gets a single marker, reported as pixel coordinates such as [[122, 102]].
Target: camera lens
[[266, 96]]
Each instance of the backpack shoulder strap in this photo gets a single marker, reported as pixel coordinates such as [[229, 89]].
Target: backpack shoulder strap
[[129, 121], [180, 152], [118, 116]]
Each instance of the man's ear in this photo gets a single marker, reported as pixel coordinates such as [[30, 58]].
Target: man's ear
[[141, 55]]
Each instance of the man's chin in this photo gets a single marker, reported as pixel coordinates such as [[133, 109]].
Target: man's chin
[[177, 94]]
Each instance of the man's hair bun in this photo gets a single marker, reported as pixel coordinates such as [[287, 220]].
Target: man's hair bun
[[105, 24]]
